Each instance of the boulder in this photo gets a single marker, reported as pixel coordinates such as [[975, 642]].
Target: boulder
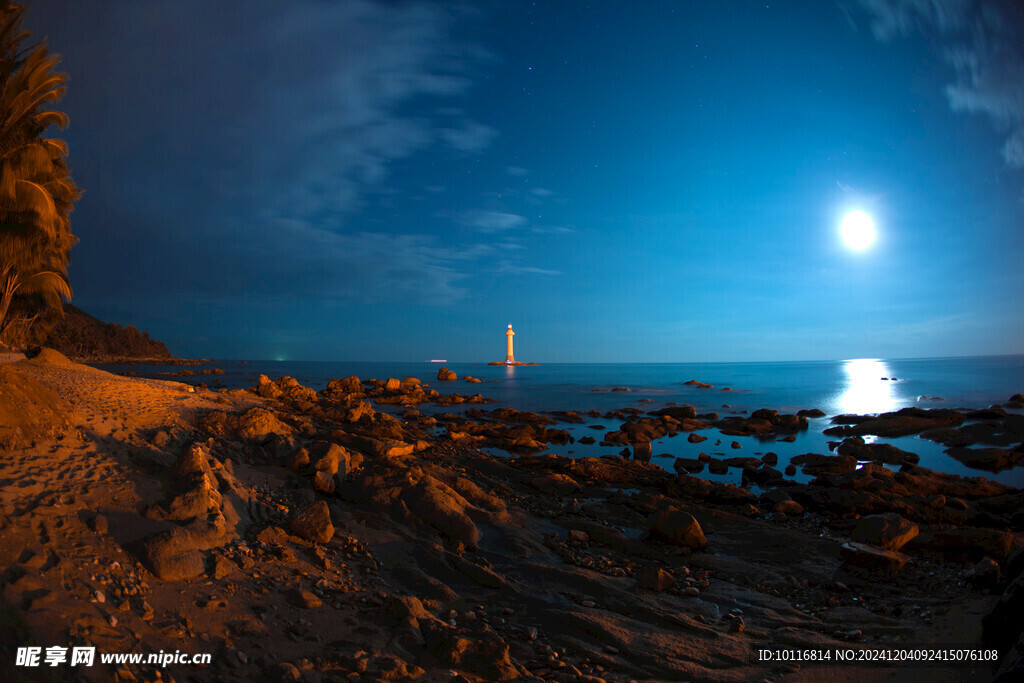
[[313, 523], [259, 424], [436, 504], [177, 554], [676, 526], [446, 375], [266, 388], [869, 557], [888, 531]]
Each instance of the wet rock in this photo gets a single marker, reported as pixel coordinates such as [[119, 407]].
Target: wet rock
[[888, 531], [815, 463], [988, 459], [446, 375], [677, 412], [688, 465], [313, 523], [900, 423], [694, 437], [875, 452]]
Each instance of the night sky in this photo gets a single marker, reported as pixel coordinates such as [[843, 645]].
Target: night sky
[[623, 182]]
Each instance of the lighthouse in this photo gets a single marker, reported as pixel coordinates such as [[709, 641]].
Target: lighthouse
[[509, 358]]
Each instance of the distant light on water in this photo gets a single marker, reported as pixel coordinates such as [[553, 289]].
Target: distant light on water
[[865, 390]]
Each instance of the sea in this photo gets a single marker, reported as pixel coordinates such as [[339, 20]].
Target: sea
[[859, 386]]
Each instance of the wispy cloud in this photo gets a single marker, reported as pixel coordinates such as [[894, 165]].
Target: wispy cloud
[[238, 127], [983, 40], [509, 268], [492, 221]]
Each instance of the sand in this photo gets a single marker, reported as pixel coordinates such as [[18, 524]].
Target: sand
[[399, 592]]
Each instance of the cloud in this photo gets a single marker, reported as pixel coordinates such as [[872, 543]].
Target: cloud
[[469, 137], [509, 268], [492, 221], [222, 122], [983, 40]]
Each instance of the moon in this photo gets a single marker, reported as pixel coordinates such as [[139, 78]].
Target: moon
[[858, 230]]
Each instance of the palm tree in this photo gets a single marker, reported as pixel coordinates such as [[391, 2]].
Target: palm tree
[[37, 193]]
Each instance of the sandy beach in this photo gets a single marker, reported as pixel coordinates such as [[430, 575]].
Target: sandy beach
[[301, 535]]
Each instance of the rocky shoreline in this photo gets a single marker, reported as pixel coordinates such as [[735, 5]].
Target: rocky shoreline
[[304, 535]]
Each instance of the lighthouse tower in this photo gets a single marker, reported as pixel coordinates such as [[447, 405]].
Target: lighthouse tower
[[509, 358]]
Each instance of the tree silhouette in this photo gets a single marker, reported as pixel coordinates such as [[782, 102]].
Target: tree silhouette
[[37, 193]]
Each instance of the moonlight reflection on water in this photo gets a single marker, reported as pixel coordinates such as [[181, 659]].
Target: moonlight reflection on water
[[865, 390]]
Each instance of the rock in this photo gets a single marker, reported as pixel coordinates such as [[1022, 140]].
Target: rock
[[556, 484], [815, 463], [900, 423], [676, 526], [677, 412], [177, 554], [985, 573], [323, 482], [313, 523], [875, 452], [988, 459], [790, 508], [446, 375], [770, 458], [300, 459], [160, 439], [393, 384], [813, 412], [486, 656], [642, 450], [866, 556], [259, 424], [439, 506], [688, 465], [266, 388], [888, 531], [971, 543], [654, 579], [304, 598], [578, 535]]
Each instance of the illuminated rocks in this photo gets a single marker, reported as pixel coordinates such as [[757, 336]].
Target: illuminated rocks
[[888, 531]]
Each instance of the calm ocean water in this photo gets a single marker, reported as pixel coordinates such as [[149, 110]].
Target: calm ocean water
[[835, 387]]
